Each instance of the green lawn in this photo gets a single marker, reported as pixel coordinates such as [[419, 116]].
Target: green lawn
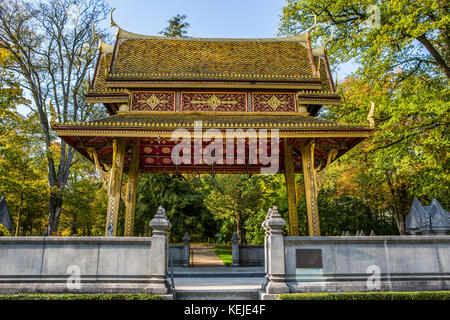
[[120, 296], [224, 254], [424, 295]]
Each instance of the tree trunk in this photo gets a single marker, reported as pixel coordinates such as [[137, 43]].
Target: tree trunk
[[54, 211], [19, 214], [239, 228], [400, 197], [435, 54]]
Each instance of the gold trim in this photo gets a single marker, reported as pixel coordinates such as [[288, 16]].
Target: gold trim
[[131, 193], [168, 134], [321, 102], [216, 113], [289, 174], [106, 100], [312, 209], [215, 85]]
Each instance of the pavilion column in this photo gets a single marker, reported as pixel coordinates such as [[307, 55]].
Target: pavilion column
[[114, 187], [131, 195], [312, 209], [289, 174]]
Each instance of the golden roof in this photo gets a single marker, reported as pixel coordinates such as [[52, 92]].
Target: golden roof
[[215, 59]]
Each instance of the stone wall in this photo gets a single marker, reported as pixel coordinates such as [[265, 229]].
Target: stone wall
[[46, 264], [392, 263], [246, 255], [251, 256], [177, 254], [87, 265], [334, 264]]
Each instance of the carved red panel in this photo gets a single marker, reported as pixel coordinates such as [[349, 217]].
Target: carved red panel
[[214, 101], [274, 102], [153, 101]]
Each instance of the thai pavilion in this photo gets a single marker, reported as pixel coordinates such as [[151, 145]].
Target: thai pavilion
[[152, 86]]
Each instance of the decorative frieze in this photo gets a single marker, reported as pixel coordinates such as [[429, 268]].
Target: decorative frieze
[[214, 101], [153, 101], [274, 102]]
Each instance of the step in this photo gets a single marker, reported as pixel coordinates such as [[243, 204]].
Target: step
[[217, 295], [218, 272], [218, 275]]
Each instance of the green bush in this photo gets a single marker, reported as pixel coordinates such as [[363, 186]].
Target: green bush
[[4, 232], [421, 295], [139, 296]]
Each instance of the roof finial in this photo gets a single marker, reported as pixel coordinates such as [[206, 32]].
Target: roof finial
[[308, 31], [370, 116], [330, 39], [322, 50], [101, 45], [95, 35], [113, 23]]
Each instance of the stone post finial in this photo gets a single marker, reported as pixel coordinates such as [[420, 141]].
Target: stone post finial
[[159, 254], [275, 255], [269, 214], [160, 224], [186, 238], [276, 223]]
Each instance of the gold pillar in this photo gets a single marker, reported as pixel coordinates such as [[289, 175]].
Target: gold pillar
[[130, 198], [289, 174], [114, 187], [307, 153]]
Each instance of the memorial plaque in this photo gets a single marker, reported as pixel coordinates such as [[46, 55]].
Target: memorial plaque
[[309, 258]]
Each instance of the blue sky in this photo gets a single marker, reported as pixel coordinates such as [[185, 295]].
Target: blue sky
[[208, 18]]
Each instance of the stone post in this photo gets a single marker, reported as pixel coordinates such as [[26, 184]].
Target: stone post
[[266, 249], [276, 264], [159, 259], [186, 251], [235, 249]]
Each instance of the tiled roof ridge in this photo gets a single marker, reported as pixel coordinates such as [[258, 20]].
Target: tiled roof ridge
[[126, 35]]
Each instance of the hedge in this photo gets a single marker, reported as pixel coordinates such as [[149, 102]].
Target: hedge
[[422, 295], [139, 296], [4, 232]]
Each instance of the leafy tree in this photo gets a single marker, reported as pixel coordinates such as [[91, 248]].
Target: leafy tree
[[404, 69], [51, 48], [183, 202], [85, 202], [407, 155], [240, 202], [22, 169], [177, 27], [412, 36]]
